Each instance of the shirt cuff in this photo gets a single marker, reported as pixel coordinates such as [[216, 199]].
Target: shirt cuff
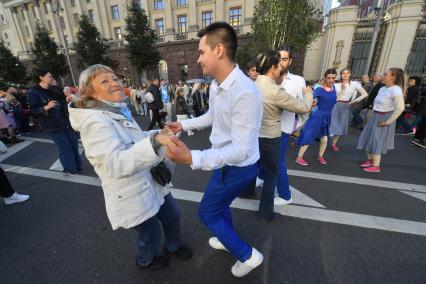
[[184, 124], [196, 159]]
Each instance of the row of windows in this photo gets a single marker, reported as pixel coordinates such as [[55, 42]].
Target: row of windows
[[159, 5]]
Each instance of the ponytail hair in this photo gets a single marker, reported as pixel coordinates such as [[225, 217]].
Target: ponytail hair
[[399, 77], [266, 60]]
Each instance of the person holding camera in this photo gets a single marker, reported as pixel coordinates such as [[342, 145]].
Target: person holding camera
[[129, 163], [48, 104]]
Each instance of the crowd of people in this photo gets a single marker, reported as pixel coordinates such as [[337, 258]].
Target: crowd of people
[[252, 114]]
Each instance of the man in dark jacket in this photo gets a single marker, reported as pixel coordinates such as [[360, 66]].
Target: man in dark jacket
[[49, 106], [420, 109], [378, 84], [156, 105]]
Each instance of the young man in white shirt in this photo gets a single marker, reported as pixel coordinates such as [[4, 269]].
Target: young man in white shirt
[[290, 122], [235, 115]]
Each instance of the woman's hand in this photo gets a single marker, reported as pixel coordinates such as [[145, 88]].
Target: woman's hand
[[175, 127], [382, 123], [163, 139]]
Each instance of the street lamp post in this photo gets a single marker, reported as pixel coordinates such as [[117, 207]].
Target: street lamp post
[[379, 10], [56, 8]]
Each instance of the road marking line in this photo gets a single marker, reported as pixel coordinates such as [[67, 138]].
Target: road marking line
[[41, 140], [362, 181], [14, 149], [317, 214], [418, 195], [302, 199], [57, 166]]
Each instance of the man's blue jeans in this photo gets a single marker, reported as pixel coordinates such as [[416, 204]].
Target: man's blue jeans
[[224, 186], [270, 154], [67, 144], [357, 117], [149, 232], [283, 187]]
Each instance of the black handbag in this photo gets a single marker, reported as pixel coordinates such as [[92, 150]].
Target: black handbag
[[161, 174]]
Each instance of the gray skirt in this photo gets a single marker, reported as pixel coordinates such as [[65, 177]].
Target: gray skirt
[[339, 119], [375, 139]]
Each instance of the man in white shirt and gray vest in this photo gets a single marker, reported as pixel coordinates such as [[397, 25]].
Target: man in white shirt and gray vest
[[235, 115]]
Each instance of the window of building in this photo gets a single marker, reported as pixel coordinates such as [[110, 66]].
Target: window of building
[[235, 18], [46, 9], [92, 16], [31, 46], [27, 31], [49, 25], [76, 18], [206, 18], [8, 43], [2, 18], [182, 25], [22, 15], [61, 20], [158, 5], [72, 2], [6, 36], [66, 38], [159, 26], [115, 12], [183, 70], [181, 2], [87, 1], [117, 32]]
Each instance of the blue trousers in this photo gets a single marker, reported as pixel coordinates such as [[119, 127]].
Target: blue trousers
[[149, 232], [67, 144], [224, 186], [283, 187]]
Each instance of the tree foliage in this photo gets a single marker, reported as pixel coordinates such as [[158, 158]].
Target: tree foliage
[[46, 53], [140, 38], [91, 46], [11, 69], [243, 56], [294, 23]]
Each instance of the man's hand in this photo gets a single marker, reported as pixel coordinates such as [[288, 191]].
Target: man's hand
[[307, 90], [50, 104], [178, 152], [175, 127], [163, 139]]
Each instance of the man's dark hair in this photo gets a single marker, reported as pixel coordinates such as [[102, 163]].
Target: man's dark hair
[[285, 47], [221, 32], [416, 79], [40, 72], [250, 64]]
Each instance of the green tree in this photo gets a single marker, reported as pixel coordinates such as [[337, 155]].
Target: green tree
[[46, 53], [243, 56], [11, 69], [91, 46], [285, 21], [140, 38]]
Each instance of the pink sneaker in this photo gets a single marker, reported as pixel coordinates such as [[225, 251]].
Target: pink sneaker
[[321, 160], [334, 148], [367, 164], [372, 169], [302, 162]]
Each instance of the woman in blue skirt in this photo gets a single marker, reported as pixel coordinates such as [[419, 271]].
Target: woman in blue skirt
[[317, 126]]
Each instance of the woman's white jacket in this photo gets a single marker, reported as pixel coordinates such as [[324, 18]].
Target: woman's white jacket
[[122, 156]]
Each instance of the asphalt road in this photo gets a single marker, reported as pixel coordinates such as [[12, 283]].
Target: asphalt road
[[346, 226]]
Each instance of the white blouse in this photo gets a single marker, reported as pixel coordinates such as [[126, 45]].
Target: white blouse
[[350, 92], [385, 100]]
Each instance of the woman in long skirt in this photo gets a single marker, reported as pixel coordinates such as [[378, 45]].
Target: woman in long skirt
[[317, 126], [378, 136], [347, 91]]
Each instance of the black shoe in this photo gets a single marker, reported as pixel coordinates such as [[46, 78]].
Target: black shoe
[[159, 262], [16, 140], [182, 252], [418, 143]]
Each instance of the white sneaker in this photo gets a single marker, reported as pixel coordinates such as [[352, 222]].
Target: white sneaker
[[16, 198], [282, 201], [259, 182], [216, 244], [243, 268]]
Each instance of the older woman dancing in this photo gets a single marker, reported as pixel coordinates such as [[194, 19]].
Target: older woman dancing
[[123, 156]]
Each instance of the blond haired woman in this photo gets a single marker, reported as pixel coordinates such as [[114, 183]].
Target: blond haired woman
[[123, 156]]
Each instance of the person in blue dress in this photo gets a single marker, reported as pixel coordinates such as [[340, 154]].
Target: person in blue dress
[[318, 125]]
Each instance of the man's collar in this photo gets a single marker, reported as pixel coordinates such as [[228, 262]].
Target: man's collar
[[227, 83]]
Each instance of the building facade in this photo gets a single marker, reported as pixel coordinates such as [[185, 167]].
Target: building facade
[[348, 39]]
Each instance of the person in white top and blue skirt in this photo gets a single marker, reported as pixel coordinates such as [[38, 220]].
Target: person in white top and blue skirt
[[378, 136], [235, 114], [346, 92]]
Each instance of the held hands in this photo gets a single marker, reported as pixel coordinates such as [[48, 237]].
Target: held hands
[[175, 127], [178, 152], [382, 123]]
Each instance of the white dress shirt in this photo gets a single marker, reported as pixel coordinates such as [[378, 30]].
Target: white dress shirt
[[235, 113], [293, 85]]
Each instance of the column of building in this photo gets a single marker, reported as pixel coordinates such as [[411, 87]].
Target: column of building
[[248, 15], [170, 30], [219, 11], [192, 18]]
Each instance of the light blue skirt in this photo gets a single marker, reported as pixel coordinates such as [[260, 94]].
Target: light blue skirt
[[375, 139], [339, 119]]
